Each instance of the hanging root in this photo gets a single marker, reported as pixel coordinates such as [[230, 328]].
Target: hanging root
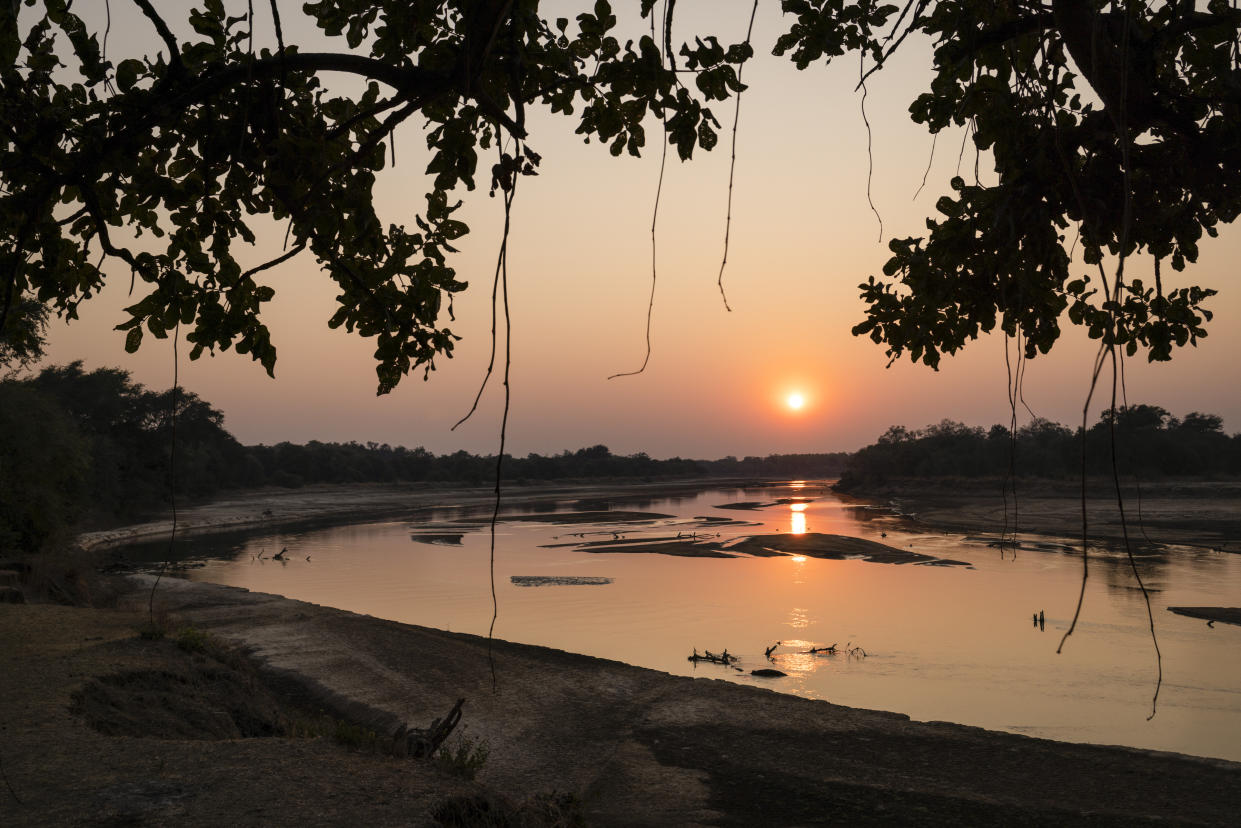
[[732, 168], [659, 189]]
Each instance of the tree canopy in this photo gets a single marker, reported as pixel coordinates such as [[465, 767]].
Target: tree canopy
[[1152, 444], [1116, 123]]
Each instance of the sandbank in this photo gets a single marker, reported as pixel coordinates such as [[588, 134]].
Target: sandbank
[[1205, 514], [1225, 615]]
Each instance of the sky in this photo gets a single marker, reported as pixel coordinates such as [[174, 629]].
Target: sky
[[803, 236]]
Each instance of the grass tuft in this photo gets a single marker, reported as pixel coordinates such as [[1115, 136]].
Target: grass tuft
[[463, 756]]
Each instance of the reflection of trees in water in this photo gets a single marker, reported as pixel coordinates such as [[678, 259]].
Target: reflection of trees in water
[[225, 547], [1117, 573]]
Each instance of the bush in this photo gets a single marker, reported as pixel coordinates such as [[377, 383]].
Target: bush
[[464, 757]]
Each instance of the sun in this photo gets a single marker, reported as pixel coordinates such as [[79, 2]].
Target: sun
[[795, 401]]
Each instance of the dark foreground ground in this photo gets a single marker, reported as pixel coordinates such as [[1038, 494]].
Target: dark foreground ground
[[572, 739]]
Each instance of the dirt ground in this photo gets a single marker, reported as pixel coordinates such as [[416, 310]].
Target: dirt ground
[[100, 726]]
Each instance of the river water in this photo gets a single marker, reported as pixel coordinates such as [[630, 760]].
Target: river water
[[951, 643]]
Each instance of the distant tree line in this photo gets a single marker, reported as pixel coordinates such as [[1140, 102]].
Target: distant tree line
[[91, 448], [292, 465], [1150, 443]]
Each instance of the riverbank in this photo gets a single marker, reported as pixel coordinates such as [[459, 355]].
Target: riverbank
[[324, 505], [631, 746], [1192, 513]]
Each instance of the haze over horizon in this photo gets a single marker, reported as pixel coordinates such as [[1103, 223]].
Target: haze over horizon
[[803, 236]]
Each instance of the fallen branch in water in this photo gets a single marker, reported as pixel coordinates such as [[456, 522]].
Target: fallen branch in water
[[771, 649], [724, 658], [849, 650]]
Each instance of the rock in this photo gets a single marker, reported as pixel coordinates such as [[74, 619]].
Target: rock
[[767, 672]]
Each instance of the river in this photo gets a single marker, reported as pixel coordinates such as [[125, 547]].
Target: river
[[955, 643]]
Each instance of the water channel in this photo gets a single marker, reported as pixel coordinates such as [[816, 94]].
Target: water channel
[[941, 642]]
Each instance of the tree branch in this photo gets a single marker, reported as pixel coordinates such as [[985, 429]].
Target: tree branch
[[284, 257], [174, 49], [409, 81], [101, 228]]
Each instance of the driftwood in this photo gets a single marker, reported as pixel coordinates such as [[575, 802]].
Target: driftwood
[[833, 650], [726, 658], [420, 744], [771, 649]]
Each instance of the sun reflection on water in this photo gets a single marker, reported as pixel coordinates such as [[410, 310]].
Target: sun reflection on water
[[792, 657], [799, 522]]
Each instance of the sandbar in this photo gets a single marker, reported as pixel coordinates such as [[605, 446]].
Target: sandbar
[[1225, 615]]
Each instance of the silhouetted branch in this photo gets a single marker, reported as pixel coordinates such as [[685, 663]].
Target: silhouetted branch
[[421, 744], [174, 49], [726, 658], [284, 257]]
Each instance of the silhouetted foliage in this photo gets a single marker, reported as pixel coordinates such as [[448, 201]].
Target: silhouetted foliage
[[1115, 123], [1150, 443], [44, 469], [199, 131], [79, 447], [22, 337]]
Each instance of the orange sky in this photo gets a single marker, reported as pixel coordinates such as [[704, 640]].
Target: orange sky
[[803, 237]]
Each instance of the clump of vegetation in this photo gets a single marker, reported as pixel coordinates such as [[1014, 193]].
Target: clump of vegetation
[[463, 756], [543, 810], [150, 631], [354, 736], [193, 640], [157, 624]]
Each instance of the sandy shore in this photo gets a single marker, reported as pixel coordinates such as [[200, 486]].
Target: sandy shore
[[632, 746], [357, 502], [1204, 514]]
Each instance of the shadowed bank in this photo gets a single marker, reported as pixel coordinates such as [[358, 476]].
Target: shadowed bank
[[633, 746]]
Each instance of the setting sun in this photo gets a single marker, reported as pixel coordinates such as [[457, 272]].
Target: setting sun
[[795, 401]]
